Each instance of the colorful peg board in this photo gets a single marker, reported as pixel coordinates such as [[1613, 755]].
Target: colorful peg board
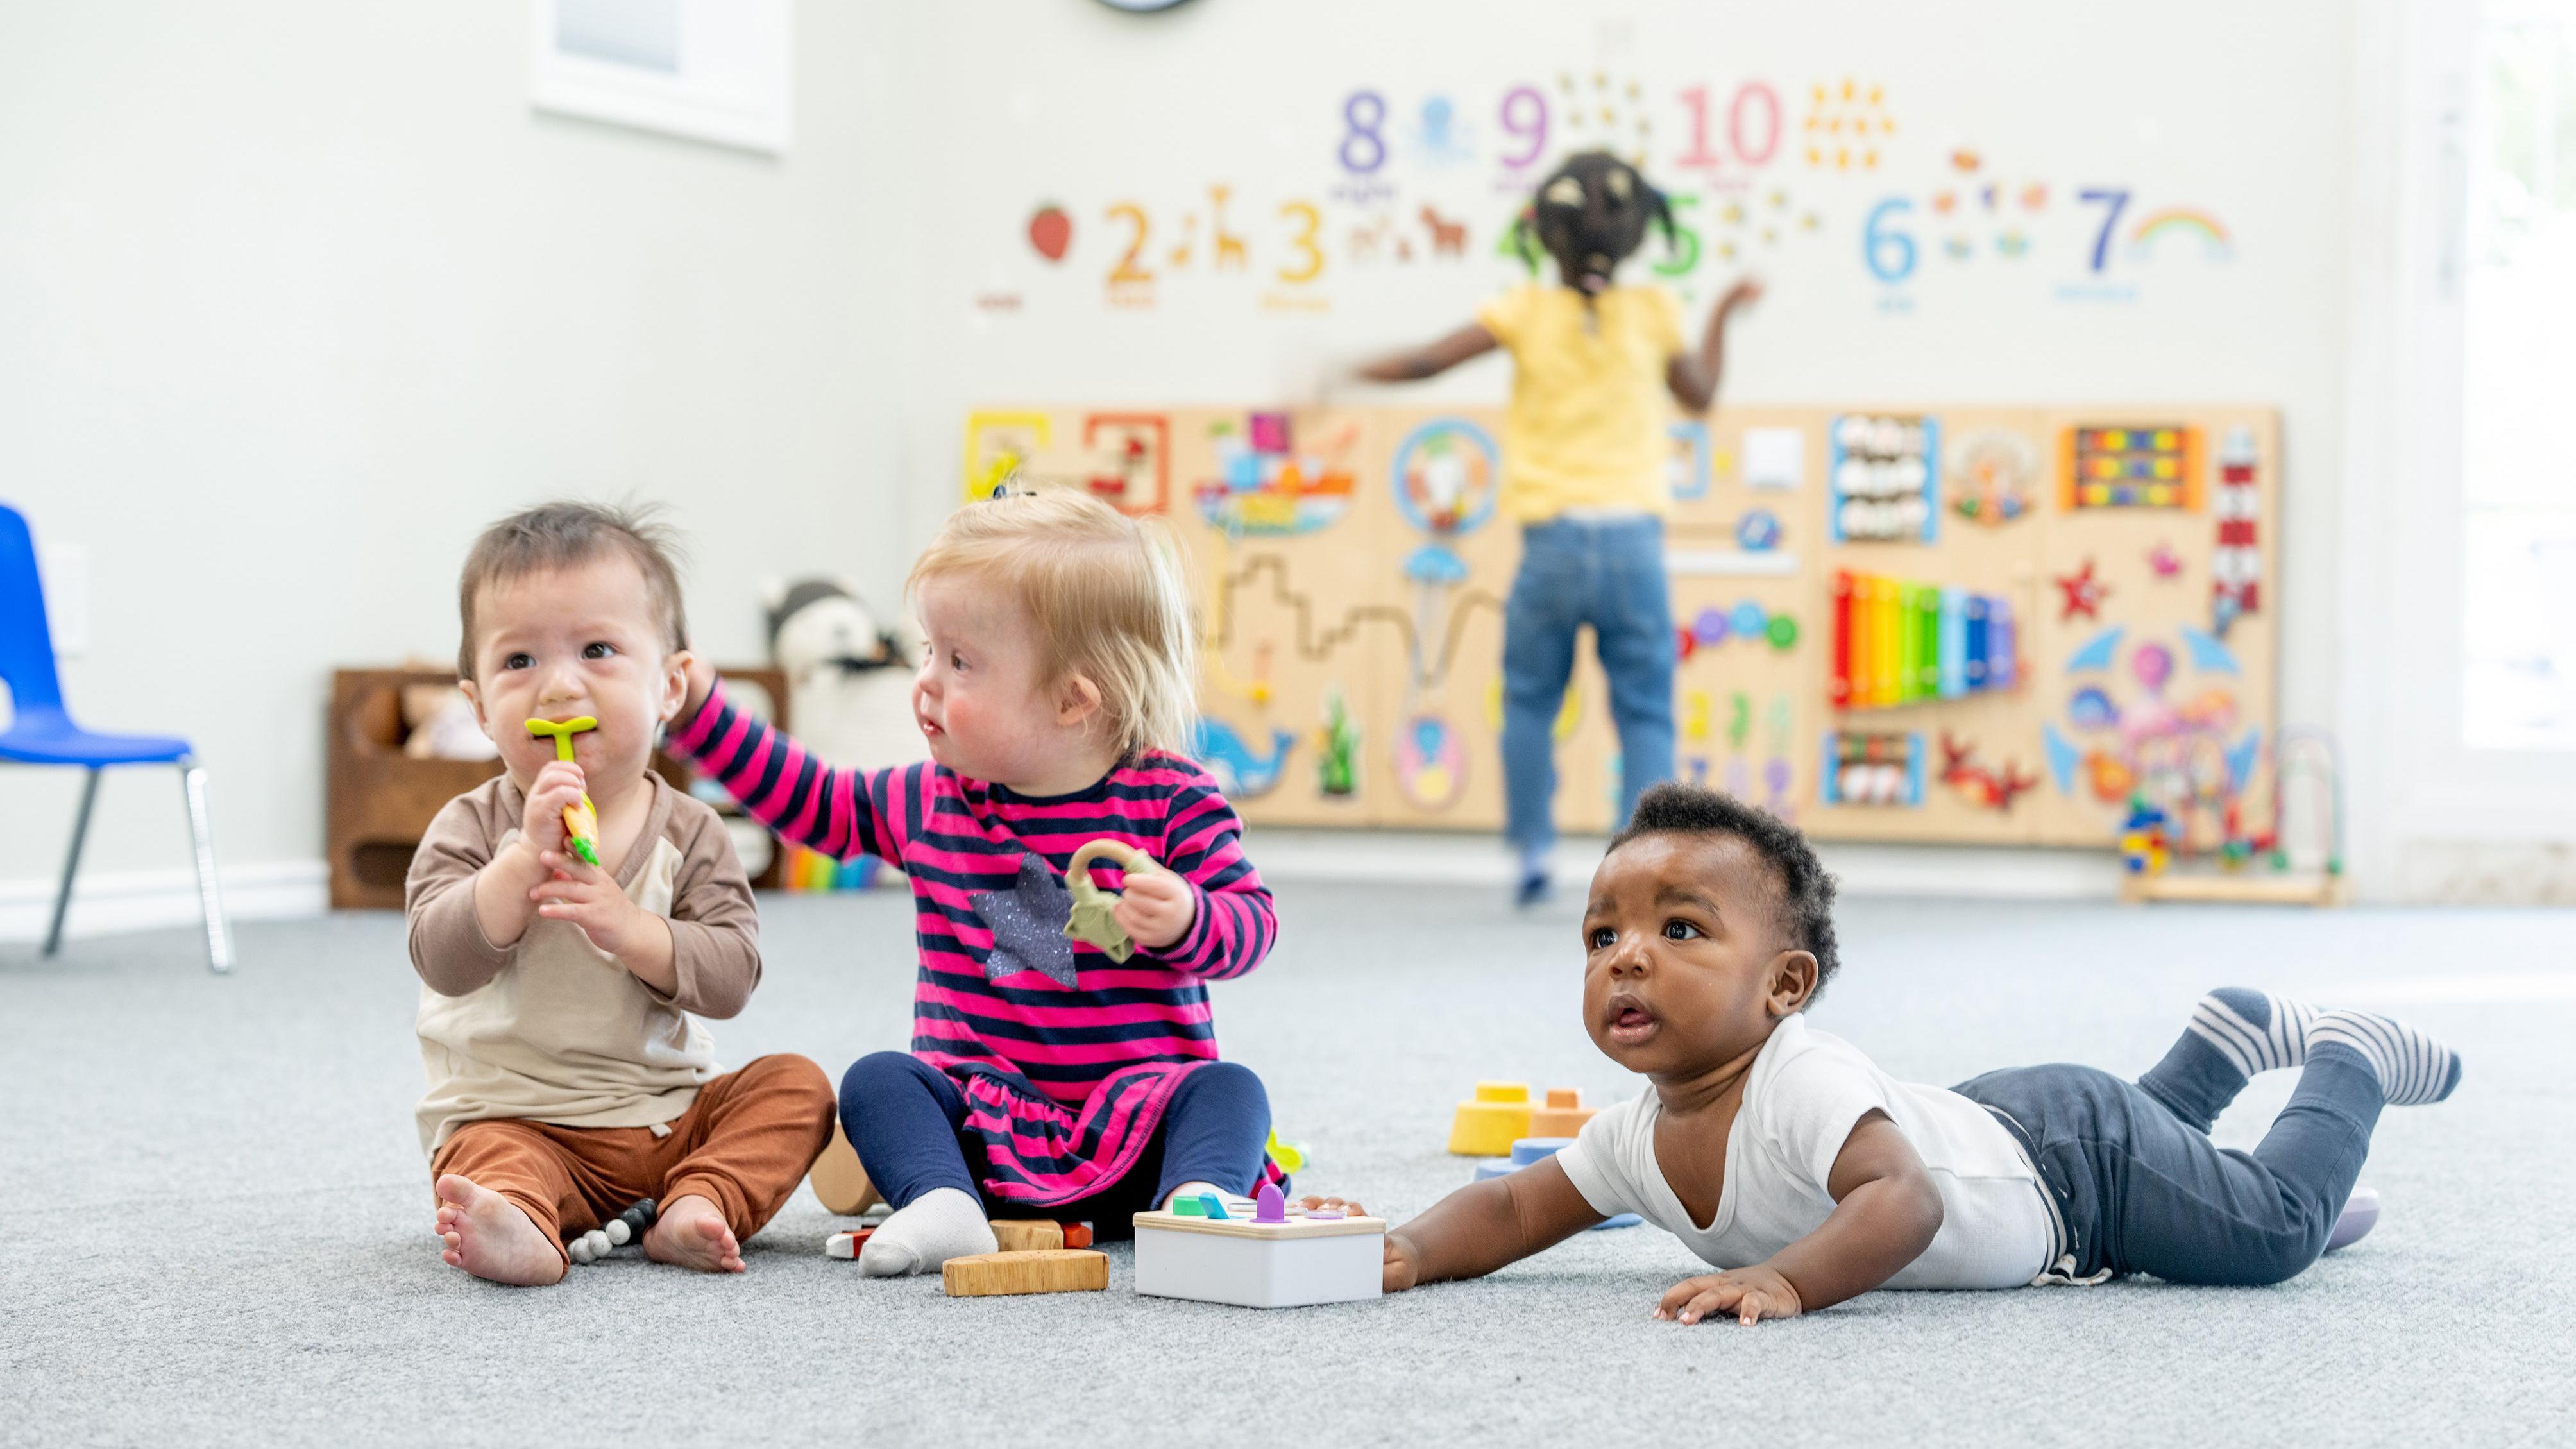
[[1352, 564]]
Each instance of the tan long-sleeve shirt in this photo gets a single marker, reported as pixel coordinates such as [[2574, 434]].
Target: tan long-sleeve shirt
[[552, 1028]]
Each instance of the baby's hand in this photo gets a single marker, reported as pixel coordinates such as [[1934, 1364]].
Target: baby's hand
[[556, 788], [1402, 1269], [1751, 1294], [1155, 907], [585, 895]]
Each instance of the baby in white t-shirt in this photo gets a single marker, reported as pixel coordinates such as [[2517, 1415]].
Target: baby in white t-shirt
[[1791, 1163]]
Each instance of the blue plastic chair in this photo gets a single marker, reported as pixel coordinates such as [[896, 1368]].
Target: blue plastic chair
[[44, 734]]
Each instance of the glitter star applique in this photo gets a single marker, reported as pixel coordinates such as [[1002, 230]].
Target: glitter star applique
[[1028, 925]]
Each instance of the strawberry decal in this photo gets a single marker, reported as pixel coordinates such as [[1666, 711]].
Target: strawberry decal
[[1051, 232]]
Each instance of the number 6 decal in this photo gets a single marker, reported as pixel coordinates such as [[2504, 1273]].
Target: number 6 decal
[[1876, 246]]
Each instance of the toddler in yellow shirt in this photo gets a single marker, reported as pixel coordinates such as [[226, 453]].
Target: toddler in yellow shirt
[[1584, 444]]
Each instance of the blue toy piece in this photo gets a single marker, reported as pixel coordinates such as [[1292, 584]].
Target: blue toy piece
[[1953, 641], [1210, 1205], [1528, 1150], [43, 733]]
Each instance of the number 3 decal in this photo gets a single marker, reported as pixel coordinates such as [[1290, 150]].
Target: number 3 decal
[[1304, 241]]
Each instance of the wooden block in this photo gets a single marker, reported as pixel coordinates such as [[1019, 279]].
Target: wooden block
[[1044, 1270], [839, 1182], [1024, 1235]]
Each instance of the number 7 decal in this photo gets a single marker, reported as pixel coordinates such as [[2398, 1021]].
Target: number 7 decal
[[2118, 197]]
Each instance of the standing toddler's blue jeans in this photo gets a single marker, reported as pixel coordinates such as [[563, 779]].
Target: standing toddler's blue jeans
[[1608, 573]]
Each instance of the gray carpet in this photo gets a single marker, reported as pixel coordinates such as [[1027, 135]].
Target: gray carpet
[[218, 1218]]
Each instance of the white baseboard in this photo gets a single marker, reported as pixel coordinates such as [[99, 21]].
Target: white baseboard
[[106, 903], [1432, 857]]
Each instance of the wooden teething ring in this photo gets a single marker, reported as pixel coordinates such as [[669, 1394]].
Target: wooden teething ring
[[1091, 920]]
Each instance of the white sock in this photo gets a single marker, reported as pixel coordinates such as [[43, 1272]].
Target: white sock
[[2413, 1068], [941, 1224], [2255, 1030]]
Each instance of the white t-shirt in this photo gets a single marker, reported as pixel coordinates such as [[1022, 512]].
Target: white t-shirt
[[1806, 1092]]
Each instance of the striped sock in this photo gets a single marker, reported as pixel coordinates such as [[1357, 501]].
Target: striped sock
[[2412, 1068], [2255, 1030]]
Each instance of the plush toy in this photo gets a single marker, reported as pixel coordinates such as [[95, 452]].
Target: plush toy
[[849, 675], [439, 725]]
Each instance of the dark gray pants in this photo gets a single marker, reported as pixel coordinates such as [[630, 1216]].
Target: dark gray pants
[[2144, 1191]]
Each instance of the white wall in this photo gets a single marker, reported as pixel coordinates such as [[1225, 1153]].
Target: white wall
[[289, 308]]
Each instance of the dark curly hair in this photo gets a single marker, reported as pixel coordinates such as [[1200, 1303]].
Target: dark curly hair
[[1803, 903]]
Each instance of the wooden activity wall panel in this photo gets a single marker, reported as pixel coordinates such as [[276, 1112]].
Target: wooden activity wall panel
[[1995, 625]]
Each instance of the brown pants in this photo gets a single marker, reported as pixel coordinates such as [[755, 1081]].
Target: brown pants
[[743, 1145]]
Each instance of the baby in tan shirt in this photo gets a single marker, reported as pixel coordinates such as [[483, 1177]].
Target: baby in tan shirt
[[567, 1077]]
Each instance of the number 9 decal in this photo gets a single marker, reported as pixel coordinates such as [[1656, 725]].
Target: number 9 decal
[[1304, 241]]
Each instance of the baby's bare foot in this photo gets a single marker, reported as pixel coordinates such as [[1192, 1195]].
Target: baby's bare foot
[[692, 1233], [488, 1236]]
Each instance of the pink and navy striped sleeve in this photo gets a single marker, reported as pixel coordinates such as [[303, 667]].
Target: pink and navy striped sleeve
[[842, 813], [1203, 842]]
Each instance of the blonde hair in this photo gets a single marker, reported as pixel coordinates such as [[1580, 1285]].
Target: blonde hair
[[1106, 593]]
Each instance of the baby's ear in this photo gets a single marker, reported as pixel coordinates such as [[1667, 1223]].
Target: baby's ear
[[1793, 980], [1077, 701]]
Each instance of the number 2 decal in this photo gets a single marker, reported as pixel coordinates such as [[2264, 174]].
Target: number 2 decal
[[1304, 241], [1127, 271]]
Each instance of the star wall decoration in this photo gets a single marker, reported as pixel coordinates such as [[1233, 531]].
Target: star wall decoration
[[2083, 592]]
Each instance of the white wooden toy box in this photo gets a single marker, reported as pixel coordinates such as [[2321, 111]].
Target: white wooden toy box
[[1233, 1259]]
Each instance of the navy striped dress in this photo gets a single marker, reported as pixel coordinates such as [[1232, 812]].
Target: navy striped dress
[[1064, 1083]]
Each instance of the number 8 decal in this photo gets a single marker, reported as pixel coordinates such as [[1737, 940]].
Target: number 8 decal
[[1364, 133]]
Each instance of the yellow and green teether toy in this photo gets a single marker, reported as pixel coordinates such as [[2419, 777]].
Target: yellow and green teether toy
[[581, 822]]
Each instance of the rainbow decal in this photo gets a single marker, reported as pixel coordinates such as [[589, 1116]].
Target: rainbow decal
[[2215, 243]]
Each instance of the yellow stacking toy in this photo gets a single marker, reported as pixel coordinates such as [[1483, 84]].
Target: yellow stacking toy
[[1487, 1126], [581, 822]]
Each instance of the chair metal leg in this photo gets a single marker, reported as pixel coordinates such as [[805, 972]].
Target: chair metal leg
[[71, 863], [210, 900]]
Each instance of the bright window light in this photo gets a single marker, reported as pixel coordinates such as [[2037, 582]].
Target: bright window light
[[2518, 496]]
